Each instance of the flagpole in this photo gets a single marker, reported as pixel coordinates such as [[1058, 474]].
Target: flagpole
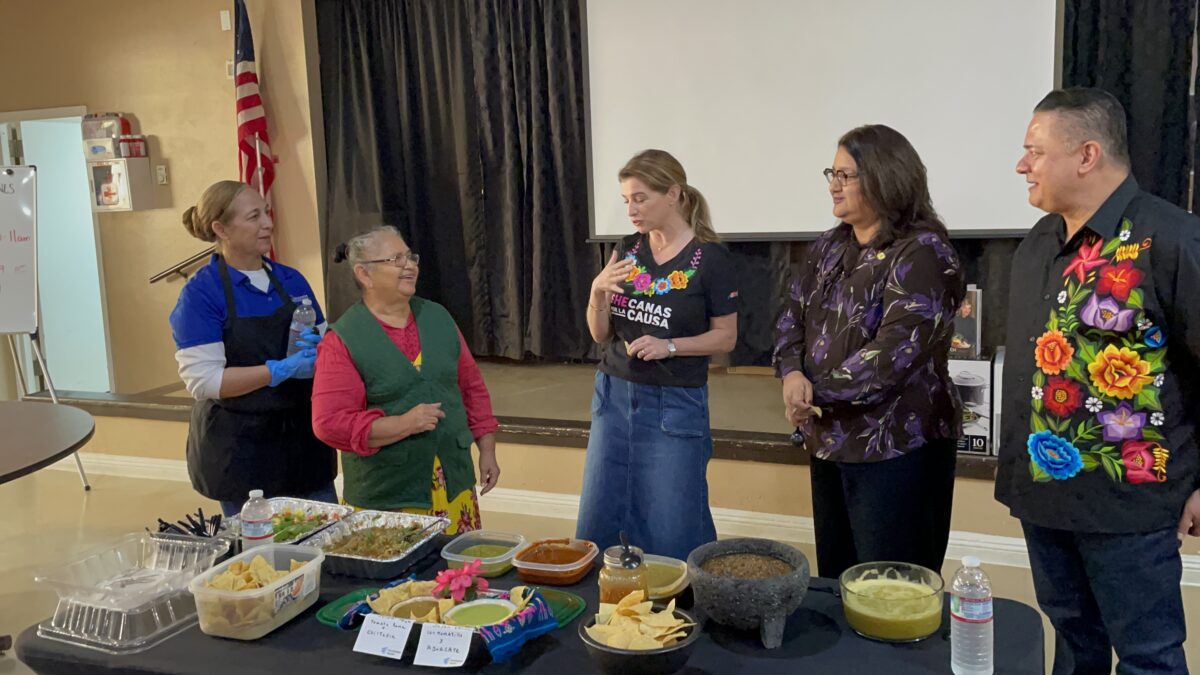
[[258, 167]]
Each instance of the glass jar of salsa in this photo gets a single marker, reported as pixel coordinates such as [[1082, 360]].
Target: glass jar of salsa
[[618, 581]]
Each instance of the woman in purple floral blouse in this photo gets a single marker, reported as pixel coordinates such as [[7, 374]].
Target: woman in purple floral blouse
[[862, 350]]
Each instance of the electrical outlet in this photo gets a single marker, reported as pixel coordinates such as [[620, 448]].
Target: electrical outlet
[[225, 23], [229, 70], [160, 174]]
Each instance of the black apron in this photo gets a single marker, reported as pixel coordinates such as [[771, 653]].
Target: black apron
[[264, 439]]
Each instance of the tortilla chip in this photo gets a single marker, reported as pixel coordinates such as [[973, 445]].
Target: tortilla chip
[[621, 639], [632, 599], [633, 624], [258, 574], [640, 609]]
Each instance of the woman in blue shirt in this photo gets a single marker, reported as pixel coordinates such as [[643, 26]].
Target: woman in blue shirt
[[250, 426]]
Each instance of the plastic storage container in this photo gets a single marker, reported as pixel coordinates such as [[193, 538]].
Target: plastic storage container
[[130, 595], [249, 615], [538, 563], [456, 552], [668, 576]]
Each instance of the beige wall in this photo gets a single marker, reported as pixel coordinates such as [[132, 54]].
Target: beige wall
[[777, 489], [169, 75]]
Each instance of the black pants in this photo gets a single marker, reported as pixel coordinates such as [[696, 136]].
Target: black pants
[[897, 509], [1102, 591]]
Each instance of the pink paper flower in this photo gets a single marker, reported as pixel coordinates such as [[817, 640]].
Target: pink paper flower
[[463, 583]]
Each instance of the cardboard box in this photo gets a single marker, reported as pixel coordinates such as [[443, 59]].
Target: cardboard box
[[973, 379]]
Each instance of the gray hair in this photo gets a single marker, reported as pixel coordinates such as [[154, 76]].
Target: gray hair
[[1091, 115], [362, 247]]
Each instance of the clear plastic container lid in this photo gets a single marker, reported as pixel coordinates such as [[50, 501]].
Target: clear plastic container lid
[[455, 550], [133, 570], [129, 595]]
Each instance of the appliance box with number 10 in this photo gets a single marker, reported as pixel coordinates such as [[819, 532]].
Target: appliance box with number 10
[[973, 380]]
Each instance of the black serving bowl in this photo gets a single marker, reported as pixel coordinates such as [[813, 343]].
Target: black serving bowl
[[642, 661]]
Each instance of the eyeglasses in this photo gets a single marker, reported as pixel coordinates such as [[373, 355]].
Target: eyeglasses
[[399, 260], [842, 177]]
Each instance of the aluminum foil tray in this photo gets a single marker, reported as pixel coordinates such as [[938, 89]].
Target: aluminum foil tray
[[376, 568], [233, 524]]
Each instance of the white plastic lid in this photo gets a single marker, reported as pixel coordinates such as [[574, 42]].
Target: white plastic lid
[[256, 494], [970, 561]]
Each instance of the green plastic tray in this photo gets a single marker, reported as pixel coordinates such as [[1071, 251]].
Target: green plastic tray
[[565, 606], [333, 612]]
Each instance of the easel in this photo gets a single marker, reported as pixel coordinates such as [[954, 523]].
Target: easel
[[33, 329]]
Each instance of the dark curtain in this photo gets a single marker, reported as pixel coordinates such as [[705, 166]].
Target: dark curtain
[[1141, 52], [763, 272], [461, 122]]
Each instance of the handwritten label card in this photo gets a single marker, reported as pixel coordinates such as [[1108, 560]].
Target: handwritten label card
[[383, 636], [443, 646]]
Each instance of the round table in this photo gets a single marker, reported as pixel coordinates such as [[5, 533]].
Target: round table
[[38, 435]]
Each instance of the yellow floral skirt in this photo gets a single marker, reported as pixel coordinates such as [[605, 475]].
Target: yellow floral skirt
[[463, 510]]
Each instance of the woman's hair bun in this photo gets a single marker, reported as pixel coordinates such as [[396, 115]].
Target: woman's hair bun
[[340, 253]]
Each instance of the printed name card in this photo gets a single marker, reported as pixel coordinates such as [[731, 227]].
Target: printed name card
[[384, 636], [443, 646]]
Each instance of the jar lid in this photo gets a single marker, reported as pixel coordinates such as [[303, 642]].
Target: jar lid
[[612, 555]]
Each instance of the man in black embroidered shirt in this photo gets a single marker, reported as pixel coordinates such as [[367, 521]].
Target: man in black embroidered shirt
[[1098, 457]]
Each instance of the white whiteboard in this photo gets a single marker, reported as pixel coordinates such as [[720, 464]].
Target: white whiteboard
[[18, 249], [752, 97]]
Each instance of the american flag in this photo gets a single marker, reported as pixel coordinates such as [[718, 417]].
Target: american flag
[[256, 165]]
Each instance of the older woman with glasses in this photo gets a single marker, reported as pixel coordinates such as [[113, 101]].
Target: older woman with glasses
[[862, 348], [398, 391]]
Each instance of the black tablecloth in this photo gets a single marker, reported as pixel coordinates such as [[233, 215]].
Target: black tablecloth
[[817, 640]]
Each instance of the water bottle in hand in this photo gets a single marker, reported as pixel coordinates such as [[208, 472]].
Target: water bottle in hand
[[304, 318], [256, 521], [971, 620]]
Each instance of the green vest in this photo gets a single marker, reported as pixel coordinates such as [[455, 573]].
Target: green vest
[[400, 474]]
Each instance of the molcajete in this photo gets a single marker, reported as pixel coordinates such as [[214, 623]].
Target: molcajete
[[747, 604]]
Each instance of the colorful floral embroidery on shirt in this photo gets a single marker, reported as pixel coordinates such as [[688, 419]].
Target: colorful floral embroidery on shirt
[[645, 284], [1099, 370]]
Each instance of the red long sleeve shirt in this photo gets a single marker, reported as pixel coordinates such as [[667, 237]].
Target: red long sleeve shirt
[[339, 400]]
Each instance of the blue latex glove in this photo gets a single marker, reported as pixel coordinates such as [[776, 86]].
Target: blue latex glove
[[309, 339], [299, 365]]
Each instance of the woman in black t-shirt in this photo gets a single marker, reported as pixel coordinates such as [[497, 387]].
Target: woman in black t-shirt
[[665, 303]]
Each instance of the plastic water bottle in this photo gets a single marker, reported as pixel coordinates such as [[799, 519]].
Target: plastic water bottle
[[971, 620], [303, 318], [256, 521]]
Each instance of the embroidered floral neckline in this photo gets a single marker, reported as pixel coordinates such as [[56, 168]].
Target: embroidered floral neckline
[[645, 284]]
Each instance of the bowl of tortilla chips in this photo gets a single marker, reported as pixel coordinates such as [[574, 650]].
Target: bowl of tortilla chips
[[256, 592], [639, 637]]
